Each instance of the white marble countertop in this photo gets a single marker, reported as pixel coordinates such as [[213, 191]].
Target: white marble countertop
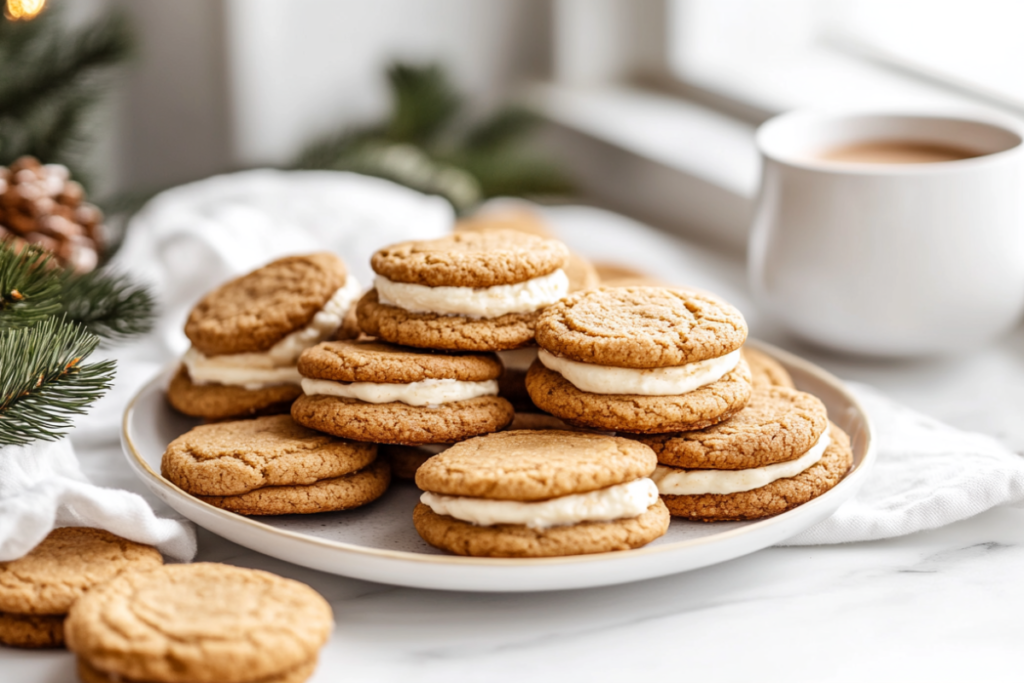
[[936, 606]]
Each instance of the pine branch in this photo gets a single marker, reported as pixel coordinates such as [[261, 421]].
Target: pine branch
[[43, 384], [509, 126], [110, 306], [30, 286], [425, 102]]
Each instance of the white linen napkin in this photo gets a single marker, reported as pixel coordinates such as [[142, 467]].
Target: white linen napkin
[[42, 487], [927, 475]]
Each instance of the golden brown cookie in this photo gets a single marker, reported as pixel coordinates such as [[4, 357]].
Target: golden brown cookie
[[232, 458], [697, 409], [774, 498], [67, 563], [640, 327], [88, 674], [776, 425], [255, 311], [31, 630], [515, 540], [581, 273], [765, 371], [378, 362], [471, 259], [405, 460], [199, 623], [532, 465], [325, 495], [447, 332], [221, 401], [399, 423]]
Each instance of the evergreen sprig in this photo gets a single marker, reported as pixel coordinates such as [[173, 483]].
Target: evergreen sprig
[[43, 382], [425, 144], [111, 306], [30, 286], [51, 77]]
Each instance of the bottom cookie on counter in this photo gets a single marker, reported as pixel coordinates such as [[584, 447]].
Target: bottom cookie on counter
[[274, 466], [540, 494]]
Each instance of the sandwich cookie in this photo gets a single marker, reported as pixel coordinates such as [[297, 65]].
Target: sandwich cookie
[[273, 466], [765, 371], [37, 590], [372, 391], [198, 623], [469, 291], [777, 453], [540, 494], [641, 360], [247, 336]]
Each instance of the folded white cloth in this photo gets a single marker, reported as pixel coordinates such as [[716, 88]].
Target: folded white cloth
[[927, 475], [42, 487]]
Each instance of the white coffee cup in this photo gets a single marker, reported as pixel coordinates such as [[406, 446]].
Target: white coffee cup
[[890, 259]]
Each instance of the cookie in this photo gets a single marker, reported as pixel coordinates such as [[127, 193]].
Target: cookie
[[537, 421], [538, 494], [765, 371], [301, 673], [199, 623], [777, 425], [532, 465], [619, 275], [325, 495], [511, 218], [222, 402], [581, 273], [641, 327], [253, 312], [247, 336], [471, 259], [631, 413], [470, 291], [37, 590], [232, 458], [773, 498], [382, 393]]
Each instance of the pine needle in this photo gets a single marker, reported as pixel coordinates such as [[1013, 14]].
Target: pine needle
[[30, 286], [108, 305], [43, 384]]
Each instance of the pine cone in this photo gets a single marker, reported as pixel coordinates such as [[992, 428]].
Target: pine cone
[[40, 204]]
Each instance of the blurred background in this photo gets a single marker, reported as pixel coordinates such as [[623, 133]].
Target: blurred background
[[647, 107]]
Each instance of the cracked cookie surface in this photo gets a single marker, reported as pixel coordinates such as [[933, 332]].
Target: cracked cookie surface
[[640, 327], [471, 259], [66, 564], [199, 623], [527, 465], [232, 458], [252, 313], [776, 425], [697, 409], [774, 498]]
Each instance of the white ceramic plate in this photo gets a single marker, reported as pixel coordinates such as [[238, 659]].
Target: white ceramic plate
[[378, 542]]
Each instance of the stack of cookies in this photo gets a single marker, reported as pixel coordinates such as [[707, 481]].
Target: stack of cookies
[[38, 590], [247, 336], [666, 367]]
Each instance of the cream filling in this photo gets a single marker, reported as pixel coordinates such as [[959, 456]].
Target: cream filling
[[474, 302], [674, 481], [622, 501], [671, 381], [518, 360], [276, 365], [429, 392]]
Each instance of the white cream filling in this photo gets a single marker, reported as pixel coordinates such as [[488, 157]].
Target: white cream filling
[[674, 481], [671, 381], [276, 365], [518, 360], [474, 302], [604, 505], [428, 392]]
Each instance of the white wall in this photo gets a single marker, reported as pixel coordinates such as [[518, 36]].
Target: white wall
[[221, 84]]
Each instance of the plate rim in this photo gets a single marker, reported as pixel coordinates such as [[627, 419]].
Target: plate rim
[[852, 479]]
